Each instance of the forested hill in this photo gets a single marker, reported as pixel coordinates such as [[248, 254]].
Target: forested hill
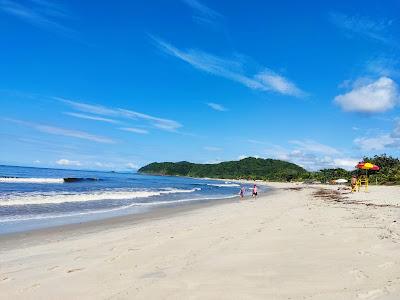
[[247, 168]]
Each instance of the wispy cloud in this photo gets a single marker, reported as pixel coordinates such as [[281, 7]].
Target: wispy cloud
[[265, 80], [160, 123], [314, 147], [40, 13], [212, 148], [63, 131], [370, 97], [312, 161], [202, 8], [376, 143], [364, 26], [134, 130], [383, 66], [311, 155], [279, 83], [216, 106], [93, 118], [381, 141], [202, 13]]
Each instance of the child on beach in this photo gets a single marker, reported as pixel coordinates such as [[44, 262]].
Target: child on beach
[[255, 191], [241, 193]]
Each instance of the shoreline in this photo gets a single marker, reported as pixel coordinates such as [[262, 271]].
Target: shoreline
[[31, 236], [296, 241], [163, 210]]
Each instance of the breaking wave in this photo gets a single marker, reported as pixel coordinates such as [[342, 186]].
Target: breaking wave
[[58, 198], [44, 180]]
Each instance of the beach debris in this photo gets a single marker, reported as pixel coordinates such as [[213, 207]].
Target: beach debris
[[293, 189], [337, 196]]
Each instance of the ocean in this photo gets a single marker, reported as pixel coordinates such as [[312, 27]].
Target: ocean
[[33, 198]]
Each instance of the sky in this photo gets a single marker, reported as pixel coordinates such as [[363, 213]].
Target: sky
[[114, 85]]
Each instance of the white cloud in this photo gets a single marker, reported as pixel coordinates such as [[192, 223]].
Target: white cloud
[[315, 147], [104, 165], [36, 161], [202, 9], [203, 14], [252, 141], [381, 141], [266, 80], [377, 143], [216, 106], [132, 166], [67, 162], [345, 163], [44, 14], [214, 161], [211, 148], [364, 26], [311, 155], [378, 96], [94, 118], [279, 84], [383, 66], [64, 132], [164, 124], [134, 130]]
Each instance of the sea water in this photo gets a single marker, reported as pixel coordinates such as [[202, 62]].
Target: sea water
[[32, 198]]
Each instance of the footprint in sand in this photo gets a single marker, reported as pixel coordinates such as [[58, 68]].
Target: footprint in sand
[[36, 285], [159, 274], [386, 265], [364, 253], [133, 249], [75, 270], [52, 268], [373, 294], [358, 274]]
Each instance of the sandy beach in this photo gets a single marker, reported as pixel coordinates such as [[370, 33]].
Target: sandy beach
[[296, 242]]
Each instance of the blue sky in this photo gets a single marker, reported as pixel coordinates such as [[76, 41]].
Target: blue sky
[[116, 85]]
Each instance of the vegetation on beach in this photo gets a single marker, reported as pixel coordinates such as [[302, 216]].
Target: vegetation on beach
[[275, 170], [389, 172]]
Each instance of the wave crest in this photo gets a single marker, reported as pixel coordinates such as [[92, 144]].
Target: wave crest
[[57, 198]]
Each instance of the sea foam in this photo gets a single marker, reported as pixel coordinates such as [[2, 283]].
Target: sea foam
[[58, 198]]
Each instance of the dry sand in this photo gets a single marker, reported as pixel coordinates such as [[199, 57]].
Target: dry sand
[[297, 242]]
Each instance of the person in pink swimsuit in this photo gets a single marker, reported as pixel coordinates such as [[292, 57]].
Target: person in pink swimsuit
[[255, 191]]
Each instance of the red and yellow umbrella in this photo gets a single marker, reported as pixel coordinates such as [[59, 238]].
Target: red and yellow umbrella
[[367, 166]]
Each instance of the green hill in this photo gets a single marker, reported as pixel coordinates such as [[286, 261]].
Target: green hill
[[247, 168]]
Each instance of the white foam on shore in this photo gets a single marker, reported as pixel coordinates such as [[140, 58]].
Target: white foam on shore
[[31, 180], [77, 214], [57, 198], [223, 184]]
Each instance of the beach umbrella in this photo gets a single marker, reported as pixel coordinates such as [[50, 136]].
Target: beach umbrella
[[341, 180], [367, 166]]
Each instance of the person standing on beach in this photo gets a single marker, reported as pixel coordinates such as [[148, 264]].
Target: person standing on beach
[[241, 193], [255, 191]]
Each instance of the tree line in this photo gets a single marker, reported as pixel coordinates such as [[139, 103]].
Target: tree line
[[276, 170]]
